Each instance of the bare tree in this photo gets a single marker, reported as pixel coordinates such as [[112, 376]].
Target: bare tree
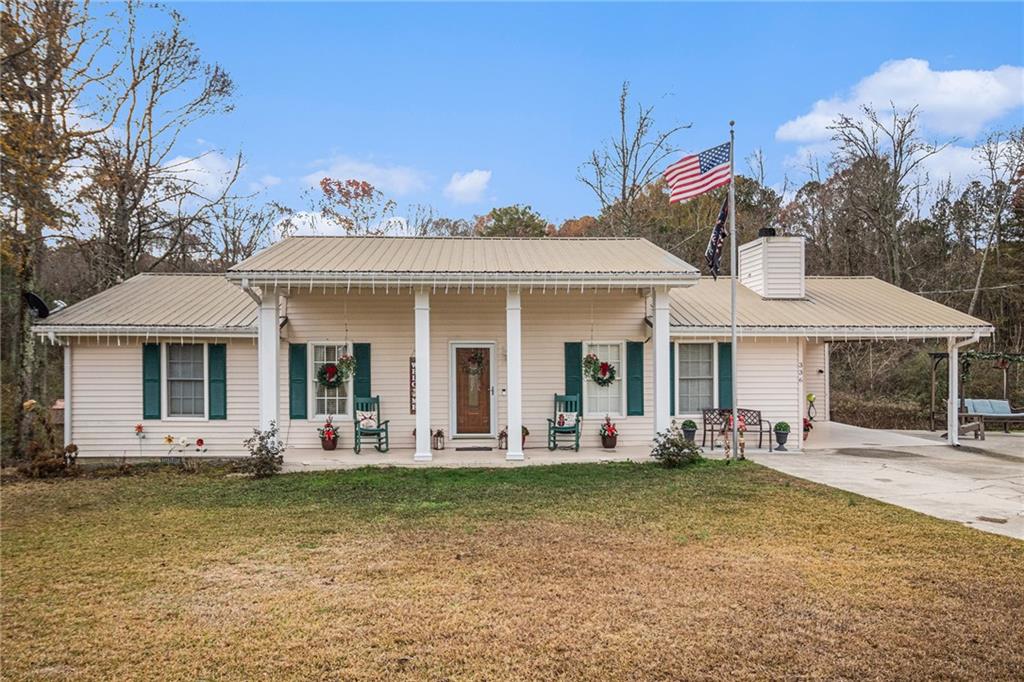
[[620, 172], [140, 203], [887, 156], [1003, 157]]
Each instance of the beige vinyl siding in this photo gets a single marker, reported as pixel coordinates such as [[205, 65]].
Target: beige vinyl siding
[[107, 403], [386, 322], [815, 382], [767, 380]]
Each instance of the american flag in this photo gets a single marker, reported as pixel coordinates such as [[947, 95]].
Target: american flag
[[713, 254], [695, 174]]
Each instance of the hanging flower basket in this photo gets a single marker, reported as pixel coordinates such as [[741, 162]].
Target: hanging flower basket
[[601, 373], [334, 374]]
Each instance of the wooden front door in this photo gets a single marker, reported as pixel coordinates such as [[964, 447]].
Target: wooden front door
[[473, 390]]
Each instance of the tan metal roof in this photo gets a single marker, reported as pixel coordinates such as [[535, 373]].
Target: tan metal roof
[[156, 302], [849, 306], [421, 259]]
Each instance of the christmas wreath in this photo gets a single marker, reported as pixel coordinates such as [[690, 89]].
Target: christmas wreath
[[601, 373], [475, 362], [334, 374]]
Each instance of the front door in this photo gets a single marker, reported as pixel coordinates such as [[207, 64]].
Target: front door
[[472, 390]]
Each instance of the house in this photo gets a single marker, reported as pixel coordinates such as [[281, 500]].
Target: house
[[467, 335]]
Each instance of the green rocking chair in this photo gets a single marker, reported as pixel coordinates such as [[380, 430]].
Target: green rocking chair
[[378, 432], [565, 405]]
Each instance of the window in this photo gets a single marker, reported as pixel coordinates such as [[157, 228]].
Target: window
[[329, 400], [602, 400], [186, 380], [696, 377]]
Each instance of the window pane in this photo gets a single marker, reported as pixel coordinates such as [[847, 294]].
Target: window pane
[[329, 400], [185, 374], [696, 377], [602, 400]]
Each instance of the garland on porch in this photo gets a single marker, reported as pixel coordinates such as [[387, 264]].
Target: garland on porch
[[601, 373], [334, 374]]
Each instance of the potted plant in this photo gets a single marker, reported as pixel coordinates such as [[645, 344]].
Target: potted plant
[[781, 435], [609, 434], [689, 429], [808, 425], [328, 434]]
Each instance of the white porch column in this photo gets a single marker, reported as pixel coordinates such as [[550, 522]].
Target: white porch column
[[268, 348], [68, 436], [953, 399], [423, 452], [660, 340], [514, 370]]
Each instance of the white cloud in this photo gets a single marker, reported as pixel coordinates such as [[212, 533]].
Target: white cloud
[[960, 102], [396, 180], [467, 188], [209, 173], [957, 163], [264, 182]]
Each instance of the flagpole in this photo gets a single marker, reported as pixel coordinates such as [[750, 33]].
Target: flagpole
[[734, 272]]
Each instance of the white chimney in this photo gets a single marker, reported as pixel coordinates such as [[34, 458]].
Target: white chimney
[[773, 266]]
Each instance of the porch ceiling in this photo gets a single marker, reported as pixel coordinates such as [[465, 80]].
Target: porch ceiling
[[356, 261]]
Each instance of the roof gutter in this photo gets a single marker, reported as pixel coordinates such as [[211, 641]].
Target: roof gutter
[[851, 333], [248, 289], [463, 279], [100, 331]]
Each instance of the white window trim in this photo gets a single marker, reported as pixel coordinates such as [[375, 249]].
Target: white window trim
[[165, 377], [622, 376], [452, 387], [311, 382], [714, 377]]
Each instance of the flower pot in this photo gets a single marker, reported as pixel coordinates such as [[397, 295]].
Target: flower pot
[[781, 437], [689, 434], [608, 442], [329, 443]]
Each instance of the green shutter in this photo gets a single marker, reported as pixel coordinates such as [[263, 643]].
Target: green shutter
[[634, 378], [151, 381], [724, 375], [297, 380], [361, 385], [672, 379], [574, 370], [217, 368]]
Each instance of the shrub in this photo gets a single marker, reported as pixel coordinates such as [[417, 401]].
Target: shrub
[[782, 427], [689, 425], [672, 449], [265, 452]]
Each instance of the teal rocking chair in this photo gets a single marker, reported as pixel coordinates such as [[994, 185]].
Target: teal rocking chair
[[570, 404], [379, 433]]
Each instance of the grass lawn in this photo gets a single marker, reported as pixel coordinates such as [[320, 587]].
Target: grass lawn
[[568, 572]]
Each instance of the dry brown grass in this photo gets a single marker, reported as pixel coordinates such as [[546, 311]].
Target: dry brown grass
[[575, 572]]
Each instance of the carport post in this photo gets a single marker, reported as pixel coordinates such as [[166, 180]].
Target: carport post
[[953, 399]]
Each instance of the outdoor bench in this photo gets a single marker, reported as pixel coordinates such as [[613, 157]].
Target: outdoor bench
[[991, 411], [714, 419]]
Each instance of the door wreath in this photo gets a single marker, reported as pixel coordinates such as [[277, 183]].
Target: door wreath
[[334, 374], [601, 373], [475, 362]]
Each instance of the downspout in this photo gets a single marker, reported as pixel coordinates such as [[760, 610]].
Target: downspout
[[249, 290]]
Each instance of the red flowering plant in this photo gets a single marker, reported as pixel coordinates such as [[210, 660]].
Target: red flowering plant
[[608, 428], [328, 430]]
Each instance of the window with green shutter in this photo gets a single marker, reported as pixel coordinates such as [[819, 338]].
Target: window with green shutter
[[362, 386], [724, 375], [218, 380], [574, 370], [634, 378], [151, 381], [297, 381]]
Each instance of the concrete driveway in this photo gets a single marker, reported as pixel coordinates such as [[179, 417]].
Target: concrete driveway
[[980, 484]]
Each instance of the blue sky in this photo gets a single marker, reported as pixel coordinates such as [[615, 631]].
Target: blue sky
[[408, 95]]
